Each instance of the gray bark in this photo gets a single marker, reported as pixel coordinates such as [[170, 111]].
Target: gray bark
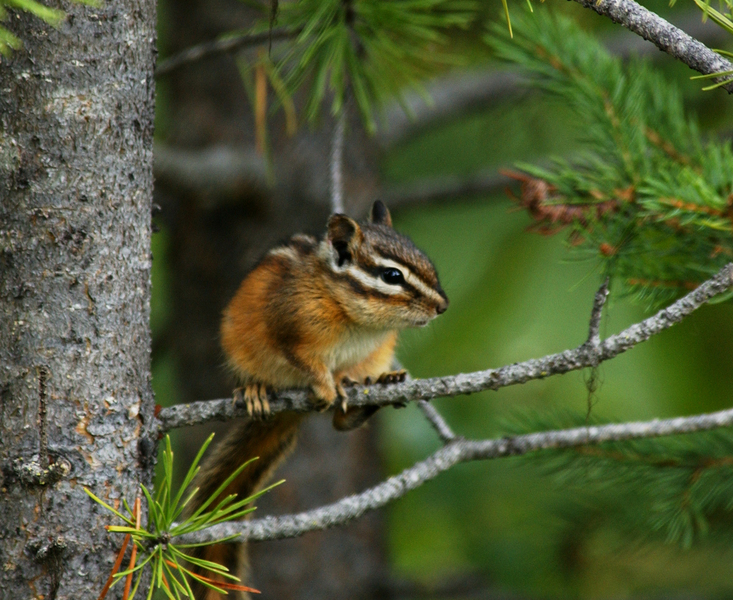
[[76, 117]]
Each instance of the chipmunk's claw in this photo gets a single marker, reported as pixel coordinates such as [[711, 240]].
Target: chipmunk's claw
[[392, 377], [342, 395], [253, 397]]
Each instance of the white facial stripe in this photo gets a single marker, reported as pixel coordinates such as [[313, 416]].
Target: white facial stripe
[[376, 283], [410, 278], [366, 279], [372, 282]]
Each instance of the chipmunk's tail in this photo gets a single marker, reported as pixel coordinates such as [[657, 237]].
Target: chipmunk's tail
[[271, 441]]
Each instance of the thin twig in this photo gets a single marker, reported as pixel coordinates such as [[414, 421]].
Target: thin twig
[[599, 301], [352, 507], [221, 46], [467, 383], [594, 340], [437, 421], [337, 164], [664, 36]]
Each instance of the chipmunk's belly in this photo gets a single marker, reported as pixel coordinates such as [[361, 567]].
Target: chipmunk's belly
[[353, 348]]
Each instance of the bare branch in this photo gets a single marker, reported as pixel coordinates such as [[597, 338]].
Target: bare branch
[[352, 507], [220, 175], [221, 46], [444, 431], [437, 421], [594, 338], [663, 35], [594, 341], [468, 383]]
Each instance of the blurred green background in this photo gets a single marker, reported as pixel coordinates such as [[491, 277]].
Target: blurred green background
[[517, 295]]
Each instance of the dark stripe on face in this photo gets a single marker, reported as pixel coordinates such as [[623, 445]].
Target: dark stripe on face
[[359, 288], [423, 269], [408, 287], [376, 271]]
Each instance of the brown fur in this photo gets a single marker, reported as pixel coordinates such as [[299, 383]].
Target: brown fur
[[301, 318]]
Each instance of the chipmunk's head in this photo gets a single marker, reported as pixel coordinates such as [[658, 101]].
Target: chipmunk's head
[[391, 283]]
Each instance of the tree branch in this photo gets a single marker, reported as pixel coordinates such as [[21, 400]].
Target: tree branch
[[599, 301], [457, 451], [445, 433], [467, 383], [663, 35], [221, 46]]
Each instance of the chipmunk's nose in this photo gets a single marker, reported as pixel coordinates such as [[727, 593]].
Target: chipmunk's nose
[[442, 307]]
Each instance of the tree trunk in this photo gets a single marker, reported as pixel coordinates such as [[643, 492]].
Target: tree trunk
[[76, 109]]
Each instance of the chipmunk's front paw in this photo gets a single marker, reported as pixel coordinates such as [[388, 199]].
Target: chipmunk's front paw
[[392, 377], [253, 397], [322, 397]]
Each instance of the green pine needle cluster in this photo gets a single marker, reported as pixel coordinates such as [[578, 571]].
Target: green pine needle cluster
[[10, 42], [155, 543], [678, 488], [723, 17], [366, 49], [52, 16], [648, 196]]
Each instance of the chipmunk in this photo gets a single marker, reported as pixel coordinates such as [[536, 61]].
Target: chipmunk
[[315, 314]]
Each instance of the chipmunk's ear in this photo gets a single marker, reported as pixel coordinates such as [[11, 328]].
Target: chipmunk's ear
[[345, 235], [380, 214]]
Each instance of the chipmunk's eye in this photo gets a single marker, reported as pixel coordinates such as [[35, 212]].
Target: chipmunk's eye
[[392, 276]]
